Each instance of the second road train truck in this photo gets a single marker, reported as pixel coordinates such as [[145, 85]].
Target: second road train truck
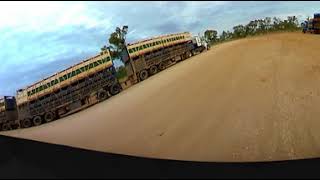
[[312, 25], [94, 80]]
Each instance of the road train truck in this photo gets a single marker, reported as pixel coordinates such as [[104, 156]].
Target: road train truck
[[312, 25], [147, 57], [93, 80]]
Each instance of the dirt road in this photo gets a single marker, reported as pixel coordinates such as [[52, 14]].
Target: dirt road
[[254, 99]]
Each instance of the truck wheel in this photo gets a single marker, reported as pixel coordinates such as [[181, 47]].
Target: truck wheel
[[188, 54], [162, 66], [6, 127], [37, 120], [153, 70], [26, 123], [102, 95], [16, 125], [115, 89], [49, 116], [143, 75], [183, 57]]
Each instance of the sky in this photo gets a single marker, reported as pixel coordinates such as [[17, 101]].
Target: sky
[[38, 39]]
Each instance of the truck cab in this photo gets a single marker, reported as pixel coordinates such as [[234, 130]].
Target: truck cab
[[197, 41], [8, 103], [304, 26], [199, 45], [316, 23], [310, 26], [8, 112]]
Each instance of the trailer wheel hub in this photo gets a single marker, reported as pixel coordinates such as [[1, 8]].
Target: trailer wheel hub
[[26, 123], [143, 75], [48, 117], [37, 120]]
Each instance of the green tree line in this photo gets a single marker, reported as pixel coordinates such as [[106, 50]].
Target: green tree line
[[252, 28]]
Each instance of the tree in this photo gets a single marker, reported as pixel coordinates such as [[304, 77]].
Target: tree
[[223, 36], [117, 41], [251, 28], [121, 72], [267, 21], [277, 24], [292, 22], [239, 31], [229, 35], [259, 26], [211, 35]]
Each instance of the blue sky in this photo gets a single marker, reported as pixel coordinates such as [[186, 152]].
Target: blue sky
[[38, 39]]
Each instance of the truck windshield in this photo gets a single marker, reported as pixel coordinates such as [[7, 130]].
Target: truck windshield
[[10, 103]]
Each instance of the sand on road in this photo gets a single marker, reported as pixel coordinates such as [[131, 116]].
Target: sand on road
[[253, 99]]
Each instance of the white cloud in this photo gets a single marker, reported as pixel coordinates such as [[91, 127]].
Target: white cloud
[[13, 14], [43, 16]]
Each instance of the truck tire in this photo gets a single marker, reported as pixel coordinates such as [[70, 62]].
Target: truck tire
[[37, 120], [162, 66], [16, 125], [102, 95], [143, 75], [6, 127], [153, 70], [115, 89], [26, 123], [173, 60], [183, 57], [188, 54], [49, 116]]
